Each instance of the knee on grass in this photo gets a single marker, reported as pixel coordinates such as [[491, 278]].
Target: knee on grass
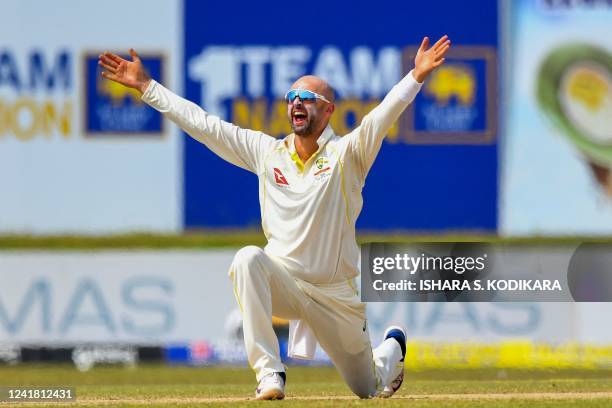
[[362, 388], [363, 393]]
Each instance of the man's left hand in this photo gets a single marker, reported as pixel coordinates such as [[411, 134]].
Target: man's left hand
[[427, 60]]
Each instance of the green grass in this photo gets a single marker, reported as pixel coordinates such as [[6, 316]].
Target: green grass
[[156, 386], [237, 238]]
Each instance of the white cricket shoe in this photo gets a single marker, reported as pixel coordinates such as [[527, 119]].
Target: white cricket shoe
[[271, 387], [398, 333]]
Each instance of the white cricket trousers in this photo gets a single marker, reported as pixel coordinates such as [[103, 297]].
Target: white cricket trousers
[[264, 287]]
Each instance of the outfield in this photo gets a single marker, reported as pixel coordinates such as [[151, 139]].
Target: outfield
[[550, 383], [240, 238], [156, 386]]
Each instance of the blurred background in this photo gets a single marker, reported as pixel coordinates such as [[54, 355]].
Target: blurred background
[[117, 230]]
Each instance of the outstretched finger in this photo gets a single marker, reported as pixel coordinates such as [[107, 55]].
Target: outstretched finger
[[134, 55], [439, 62], [441, 52], [440, 42], [108, 67], [424, 44], [109, 75], [114, 57], [107, 61]]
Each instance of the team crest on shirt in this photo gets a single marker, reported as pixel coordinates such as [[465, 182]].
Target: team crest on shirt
[[321, 162], [322, 169]]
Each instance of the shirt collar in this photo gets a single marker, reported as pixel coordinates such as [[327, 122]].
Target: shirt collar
[[327, 134]]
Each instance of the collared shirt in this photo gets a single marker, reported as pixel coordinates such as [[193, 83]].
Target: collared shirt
[[308, 210]]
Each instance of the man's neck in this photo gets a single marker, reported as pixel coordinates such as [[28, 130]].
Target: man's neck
[[306, 146]]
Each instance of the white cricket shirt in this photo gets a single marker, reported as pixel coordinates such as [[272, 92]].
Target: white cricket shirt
[[308, 210]]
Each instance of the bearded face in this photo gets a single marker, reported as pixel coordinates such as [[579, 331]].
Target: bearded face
[[305, 117]]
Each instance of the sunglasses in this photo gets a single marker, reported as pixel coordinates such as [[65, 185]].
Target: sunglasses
[[304, 95]]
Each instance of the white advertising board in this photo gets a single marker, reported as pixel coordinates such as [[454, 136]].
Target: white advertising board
[[140, 298], [557, 156], [157, 297], [78, 154]]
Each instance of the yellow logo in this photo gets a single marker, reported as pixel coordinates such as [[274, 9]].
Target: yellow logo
[[589, 88], [320, 162], [452, 81]]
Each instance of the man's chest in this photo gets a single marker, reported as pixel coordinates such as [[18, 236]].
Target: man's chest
[[286, 174]]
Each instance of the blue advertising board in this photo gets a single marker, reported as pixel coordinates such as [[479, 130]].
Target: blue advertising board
[[113, 109], [436, 171]]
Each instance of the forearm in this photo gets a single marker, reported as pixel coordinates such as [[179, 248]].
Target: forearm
[[399, 97], [380, 119], [409, 86], [187, 115], [238, 146], [367, 139]]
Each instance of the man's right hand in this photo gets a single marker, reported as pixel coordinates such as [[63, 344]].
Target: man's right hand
[[129, 73]]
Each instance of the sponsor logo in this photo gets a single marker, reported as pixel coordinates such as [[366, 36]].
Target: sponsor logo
[[322, 170], [10, 353], [36, 94], [246, 85], [111, 108], [90, 306], [453, 81], [457, 102], [86, 357], [279, 177]]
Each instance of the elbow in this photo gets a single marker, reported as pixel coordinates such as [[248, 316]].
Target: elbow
[[374, 126], [367, 122]]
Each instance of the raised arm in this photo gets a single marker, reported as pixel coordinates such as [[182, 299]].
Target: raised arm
[[243, 147], [129, 73], [365, 140]]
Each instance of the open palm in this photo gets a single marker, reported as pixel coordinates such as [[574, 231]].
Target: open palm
[[129, 73], [427, 60]]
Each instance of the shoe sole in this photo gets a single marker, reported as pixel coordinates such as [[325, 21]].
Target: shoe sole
[[389, 393], [271, 395], [385, 395]]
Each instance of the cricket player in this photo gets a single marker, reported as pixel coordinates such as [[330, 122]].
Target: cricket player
[[310, 186]]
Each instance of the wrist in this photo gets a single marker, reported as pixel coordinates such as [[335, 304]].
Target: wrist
[[144, 85], [419, 75]]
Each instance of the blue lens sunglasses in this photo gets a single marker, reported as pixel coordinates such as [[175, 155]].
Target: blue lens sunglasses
[[305, 96]]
